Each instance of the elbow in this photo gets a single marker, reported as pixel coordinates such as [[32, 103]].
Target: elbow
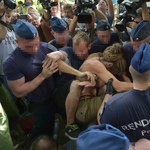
[[18, 95]]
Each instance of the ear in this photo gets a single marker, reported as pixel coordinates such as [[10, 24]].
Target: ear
[[89, 46], [109, 64], [17, 41], [52, 32]]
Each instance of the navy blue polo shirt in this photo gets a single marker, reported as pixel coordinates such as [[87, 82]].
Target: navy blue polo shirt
[[75, 63], [21, 64], [129, 112], [54, 43], [98, 46]]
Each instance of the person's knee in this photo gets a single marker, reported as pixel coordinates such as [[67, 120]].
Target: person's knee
[[75, 87]]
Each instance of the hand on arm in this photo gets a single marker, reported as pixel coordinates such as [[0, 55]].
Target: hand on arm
[[20, 88], [52, 58], [105, 75]]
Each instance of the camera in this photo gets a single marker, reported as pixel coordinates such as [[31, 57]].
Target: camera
[[82, 12], [47, 5], [124, 18], [132, 7], [9, 4]]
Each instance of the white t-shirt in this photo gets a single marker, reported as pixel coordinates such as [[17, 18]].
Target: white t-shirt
[[58, 14], [6, 47]]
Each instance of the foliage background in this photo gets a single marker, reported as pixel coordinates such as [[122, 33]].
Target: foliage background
[[39, 6]]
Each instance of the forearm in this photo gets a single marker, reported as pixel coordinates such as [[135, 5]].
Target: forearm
[[58, 6], [65, 68], [105, 75], [28, 87], [110, 8], [99, 14], [118, 85], [73, 25], [3, 29], [145, 13]]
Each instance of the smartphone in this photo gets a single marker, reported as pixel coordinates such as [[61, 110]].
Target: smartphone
[[22, 17]]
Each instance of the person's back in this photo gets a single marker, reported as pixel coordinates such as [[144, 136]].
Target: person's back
[[130, 111]]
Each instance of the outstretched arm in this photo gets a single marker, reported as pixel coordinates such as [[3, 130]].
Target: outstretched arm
[[110, 8], [99, 14], [96, 67], [64, 67], [145, 13]]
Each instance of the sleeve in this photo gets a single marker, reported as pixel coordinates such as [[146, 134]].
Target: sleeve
[[11, 70], [59, 14], [68, 50], [110, 20], [107, 116]]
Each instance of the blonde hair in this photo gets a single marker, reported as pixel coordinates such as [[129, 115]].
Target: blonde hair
[[32, 9], [81, 36], [114, 54]]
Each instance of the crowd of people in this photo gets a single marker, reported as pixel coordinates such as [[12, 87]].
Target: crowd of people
[[94, 76]]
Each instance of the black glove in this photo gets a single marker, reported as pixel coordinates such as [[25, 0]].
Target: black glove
[[109, 87]]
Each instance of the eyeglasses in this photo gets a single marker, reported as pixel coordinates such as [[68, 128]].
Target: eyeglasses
[[102, 2]]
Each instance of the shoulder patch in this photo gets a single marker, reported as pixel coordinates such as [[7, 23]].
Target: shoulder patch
[[53, 48]]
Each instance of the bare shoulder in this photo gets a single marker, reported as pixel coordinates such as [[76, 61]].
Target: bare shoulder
[[95, 55], [91, 63]]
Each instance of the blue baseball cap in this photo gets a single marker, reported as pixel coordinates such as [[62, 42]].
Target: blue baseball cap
[[102, 137], [27, 4], [25, 29], [141, 59], [58, 25], [103, 25], [140, 31]]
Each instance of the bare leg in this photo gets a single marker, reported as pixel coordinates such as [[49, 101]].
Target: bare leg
[[72, 101]]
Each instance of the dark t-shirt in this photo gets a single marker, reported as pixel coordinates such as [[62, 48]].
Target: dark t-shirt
[[129, 112], [53, 42], [128, 55], [20, 64], [98, 46], [75, 63]]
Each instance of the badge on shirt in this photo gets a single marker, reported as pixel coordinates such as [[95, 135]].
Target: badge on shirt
[[53, 48]]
